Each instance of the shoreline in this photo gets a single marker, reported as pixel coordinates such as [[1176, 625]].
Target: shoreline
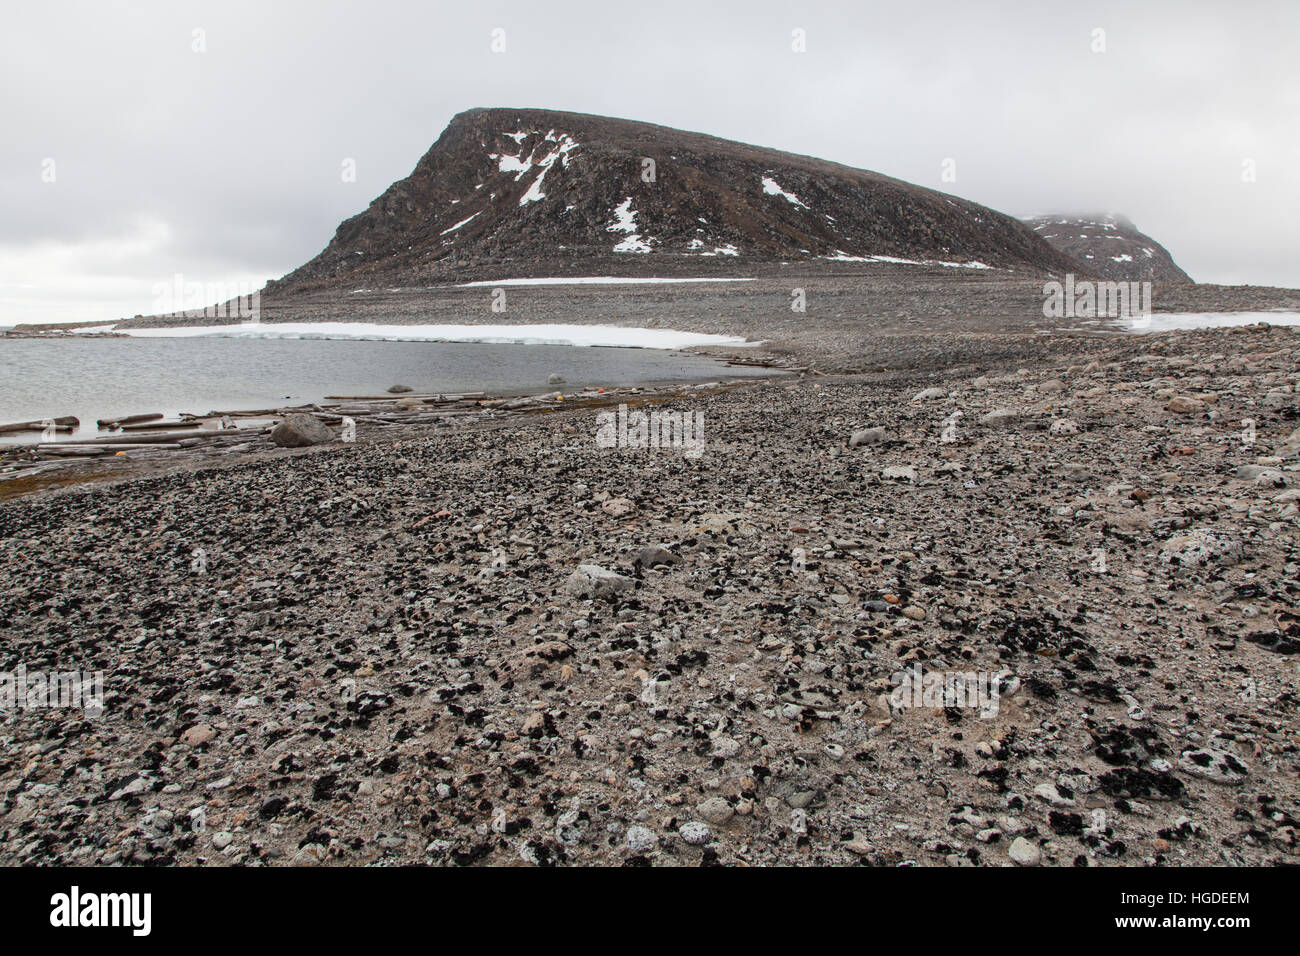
[[31, 467], [183, 379], [196, 440]]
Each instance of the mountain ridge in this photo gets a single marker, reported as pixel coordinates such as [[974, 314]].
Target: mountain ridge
[[1109, 245], [556, 191]]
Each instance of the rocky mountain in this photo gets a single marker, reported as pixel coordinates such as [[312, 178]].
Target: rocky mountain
[[521, 191], [1109, 246]]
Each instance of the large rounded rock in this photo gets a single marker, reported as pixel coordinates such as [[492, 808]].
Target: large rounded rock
[[1024, 853], [1001, 417], [654, 555], [1220, 766], [867, 436], [715, 810], [1201, 548], [299, 431], [593, 581]]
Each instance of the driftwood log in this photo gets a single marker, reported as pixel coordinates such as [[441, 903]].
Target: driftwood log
[[128, 420], [65, 424]]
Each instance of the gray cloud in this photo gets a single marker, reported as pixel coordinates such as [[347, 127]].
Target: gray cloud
[[225, 165]]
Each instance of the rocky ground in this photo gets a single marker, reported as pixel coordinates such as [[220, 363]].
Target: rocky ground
[[503, 644]]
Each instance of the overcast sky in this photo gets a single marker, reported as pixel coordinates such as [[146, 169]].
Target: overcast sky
[[128, 156]]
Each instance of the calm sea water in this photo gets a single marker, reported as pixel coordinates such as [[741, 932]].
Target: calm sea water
[[98, 378]]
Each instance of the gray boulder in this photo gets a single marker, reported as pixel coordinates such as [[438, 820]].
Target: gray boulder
[[593, 581], [1000, 417], [867, 436], [299, 431], [655, 554]]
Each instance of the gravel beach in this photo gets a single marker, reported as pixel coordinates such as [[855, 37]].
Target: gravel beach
[[494, 641]]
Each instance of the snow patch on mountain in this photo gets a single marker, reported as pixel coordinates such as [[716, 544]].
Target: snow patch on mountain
[[458, 225], [625, 221], [594, 280], [564, 146], [521, 165], [841, 256], [771, 188]]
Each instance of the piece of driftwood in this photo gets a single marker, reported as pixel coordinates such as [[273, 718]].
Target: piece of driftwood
[[159, 426], [148, 438], [70, 447], [255, 412], [128, 420], [65, 424], [75, 451], [422, 396]]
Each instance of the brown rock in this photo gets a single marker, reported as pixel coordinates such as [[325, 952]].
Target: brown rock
[[1182, 405], [198, 735], [618, 507]]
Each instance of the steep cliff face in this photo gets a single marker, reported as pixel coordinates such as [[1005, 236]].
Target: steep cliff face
[[1109, 246], [539, 191]]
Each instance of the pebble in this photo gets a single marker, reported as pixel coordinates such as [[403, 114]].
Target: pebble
[[859, 844], [641, 839], [715, 810], [695, 833], [1048, 792], [618, 507], [725, 747], [1024, 853]]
